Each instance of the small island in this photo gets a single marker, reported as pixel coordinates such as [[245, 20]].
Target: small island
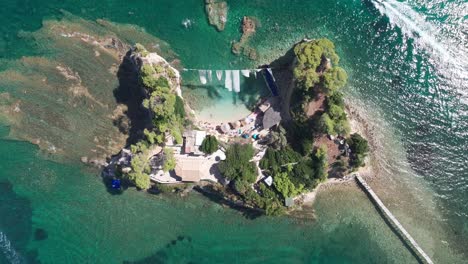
[[293, 140], [216, 11]]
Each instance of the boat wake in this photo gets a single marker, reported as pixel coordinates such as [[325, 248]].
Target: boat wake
[[415, 25], [187, 23], [8, 251]]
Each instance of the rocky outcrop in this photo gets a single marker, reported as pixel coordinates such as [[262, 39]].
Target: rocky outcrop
[[217, 13], [141, 57], [249, 26]]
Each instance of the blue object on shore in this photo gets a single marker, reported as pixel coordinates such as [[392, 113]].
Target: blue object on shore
[[115, 184], [268, 74]]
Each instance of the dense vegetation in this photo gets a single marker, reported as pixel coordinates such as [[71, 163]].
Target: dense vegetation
[[318, 75], [237, 165], [359, 149], [333, 121], [291, 158], [168, 114], [209, 145], [317, 66]]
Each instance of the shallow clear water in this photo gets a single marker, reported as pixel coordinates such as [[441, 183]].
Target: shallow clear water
[[408, 76]]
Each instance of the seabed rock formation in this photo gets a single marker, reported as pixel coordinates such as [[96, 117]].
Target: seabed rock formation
[[70, 101], [249, 26], [217, 13]]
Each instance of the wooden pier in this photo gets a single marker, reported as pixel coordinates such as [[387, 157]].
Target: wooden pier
[[417, 250]]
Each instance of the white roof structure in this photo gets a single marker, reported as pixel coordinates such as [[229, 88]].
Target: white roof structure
[[199, 137], [193, 141], [268, 180]]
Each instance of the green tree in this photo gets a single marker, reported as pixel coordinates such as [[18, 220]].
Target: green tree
[[359, 149], [285, 186], [147, 77], [141, 49], [303, 173], [179, 108], [326, 124], [342, 127], [328, 50], [273, 160], [310, 56], [335, 112], [278, 138], [358, 144], [209, 144], [335, 99], [169, 160], [334, 79], [321, 163], [139, 173], [151, 136], [237, 165]]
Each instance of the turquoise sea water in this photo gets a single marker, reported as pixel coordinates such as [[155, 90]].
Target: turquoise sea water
[[408, 76]]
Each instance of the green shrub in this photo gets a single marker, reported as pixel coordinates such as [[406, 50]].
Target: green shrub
[[358, 144], [209, 144], [334, 79], [303, 173], [321, 163], [169, 160], [139, 173], [335, 99], [158, 68], [179, 108], [170, 73], [274, 159], [326, 124], [359, 149], [141, 49], [285, 186]]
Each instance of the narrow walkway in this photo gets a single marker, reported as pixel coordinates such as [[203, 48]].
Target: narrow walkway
[[417, 250]]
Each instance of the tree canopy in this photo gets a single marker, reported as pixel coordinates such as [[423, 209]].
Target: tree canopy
[[274, 159], [334, 79], [321, 163], [169, 160], [285, 186], [237, 165], [312, 66], [359, 149], [139, 174], [209, 144]]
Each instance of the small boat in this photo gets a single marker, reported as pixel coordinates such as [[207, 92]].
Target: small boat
[[115, 184]]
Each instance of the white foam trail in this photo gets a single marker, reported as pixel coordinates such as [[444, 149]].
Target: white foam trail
[[202, 74], [8, 251], [246, 73], [219, 75], [236, 80], [228, 80], [415, 25]]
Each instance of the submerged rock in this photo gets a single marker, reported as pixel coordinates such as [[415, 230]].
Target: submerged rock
[[249, 25], [217, 13], [69, 101]]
